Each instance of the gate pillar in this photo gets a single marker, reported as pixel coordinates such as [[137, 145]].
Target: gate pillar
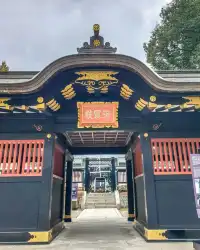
[[113, 175], [68, 195], [129, 174], [87, 175], [149, 185]]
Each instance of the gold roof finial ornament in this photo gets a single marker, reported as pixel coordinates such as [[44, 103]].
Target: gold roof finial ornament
[[96, 44], [4, 67], [96, 27]]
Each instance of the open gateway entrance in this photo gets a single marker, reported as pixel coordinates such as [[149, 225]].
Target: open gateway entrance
[[100, 176]]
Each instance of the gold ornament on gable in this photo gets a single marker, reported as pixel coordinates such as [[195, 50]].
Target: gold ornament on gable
[[68, 92], [126, 92], [97, 80], [141, 104], [53, 105]]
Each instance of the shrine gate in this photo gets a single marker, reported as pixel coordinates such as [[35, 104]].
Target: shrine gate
[[98, 91]]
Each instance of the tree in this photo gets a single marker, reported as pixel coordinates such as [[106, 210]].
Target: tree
[[175, 41], [4, 67]]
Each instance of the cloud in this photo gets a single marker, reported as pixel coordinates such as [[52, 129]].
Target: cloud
[[36, 32]]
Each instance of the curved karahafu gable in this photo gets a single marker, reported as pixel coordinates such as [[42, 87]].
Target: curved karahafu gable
[[99, 60]]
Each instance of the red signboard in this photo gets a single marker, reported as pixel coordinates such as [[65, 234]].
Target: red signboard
[[97, 114]]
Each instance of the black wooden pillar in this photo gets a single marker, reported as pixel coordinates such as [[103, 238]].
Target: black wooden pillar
[[68, 196], [149, 184], [113, 175], [44, 222], [134, 184], [87, 175], [129, 176]]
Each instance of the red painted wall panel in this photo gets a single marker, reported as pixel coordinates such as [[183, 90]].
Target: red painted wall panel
[[58, 161], [138, 159], [172, 155], [21, 157]]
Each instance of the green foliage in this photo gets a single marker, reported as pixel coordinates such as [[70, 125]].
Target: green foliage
[[175, 41], [4, 67], [122, 188]]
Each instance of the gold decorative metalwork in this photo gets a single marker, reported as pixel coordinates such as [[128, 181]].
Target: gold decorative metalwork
[[48, 136], [53, 105], [24, 108], [184, 106], [3, 102], [7, 107], [197, 107], [151, 234], [45, 236], [152, 106], [67, 216], [40, 106], [98, 121], [155, 234], [96, 43], [141, 104], [96, 80], [68, 92], [152, 98], [193, 100], [40, 99], [126, 92], [168, 106]]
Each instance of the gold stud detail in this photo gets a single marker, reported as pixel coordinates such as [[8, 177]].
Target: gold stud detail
[[152, 98], [40, 99], [168, 106], [48, 136]]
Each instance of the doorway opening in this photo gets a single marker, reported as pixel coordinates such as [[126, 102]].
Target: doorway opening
[[99, 169]]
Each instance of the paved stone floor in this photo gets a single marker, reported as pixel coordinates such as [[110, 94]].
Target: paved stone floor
[[100, 229]]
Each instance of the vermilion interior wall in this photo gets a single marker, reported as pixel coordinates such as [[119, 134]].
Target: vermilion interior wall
[[58, 161], [138, 158]]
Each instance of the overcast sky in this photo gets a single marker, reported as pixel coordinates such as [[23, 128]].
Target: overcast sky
[[33, 33]]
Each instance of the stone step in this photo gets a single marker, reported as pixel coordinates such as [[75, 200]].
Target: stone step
[[100, 199], [100, 206], [101, 194], [101, 203]]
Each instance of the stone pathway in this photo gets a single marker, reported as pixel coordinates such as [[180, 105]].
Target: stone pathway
[[101, 214], [101, 229]]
